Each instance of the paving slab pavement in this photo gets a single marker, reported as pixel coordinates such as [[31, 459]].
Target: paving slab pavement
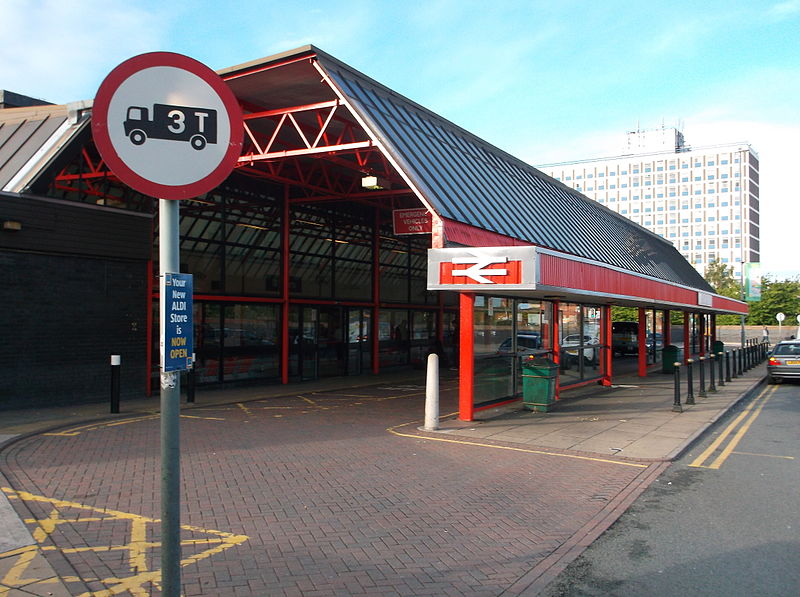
[[631, 420]]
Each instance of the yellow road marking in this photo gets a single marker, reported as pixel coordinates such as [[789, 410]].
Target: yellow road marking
[[764, 455], [137, 548], [94, 426], [746, 418], [393, 430], [246, 410], [202, 418]]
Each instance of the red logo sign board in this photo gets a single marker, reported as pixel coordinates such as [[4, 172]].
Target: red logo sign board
[[412, 221], [509, 272], [470, 268]]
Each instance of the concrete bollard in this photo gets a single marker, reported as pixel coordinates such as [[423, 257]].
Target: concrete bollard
[[116, 363], [432, 394]]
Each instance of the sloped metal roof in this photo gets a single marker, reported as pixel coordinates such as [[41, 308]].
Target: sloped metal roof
[[468, 180], [30, 137]]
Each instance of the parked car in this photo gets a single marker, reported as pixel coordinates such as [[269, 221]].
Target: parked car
[[784, 362], [570, 344], [625, 337], [527, 343], [654, 337]]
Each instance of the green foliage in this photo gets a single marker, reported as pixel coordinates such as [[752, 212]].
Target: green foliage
[[624, 313], [721, 278], [776, 297]]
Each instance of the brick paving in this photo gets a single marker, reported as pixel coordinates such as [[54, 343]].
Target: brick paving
[[330, 502]]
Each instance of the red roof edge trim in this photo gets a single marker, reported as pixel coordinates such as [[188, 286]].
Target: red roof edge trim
[[722, 303], [472, 236]]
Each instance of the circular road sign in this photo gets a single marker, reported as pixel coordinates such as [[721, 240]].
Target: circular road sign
[[167, 125], [780, 317]]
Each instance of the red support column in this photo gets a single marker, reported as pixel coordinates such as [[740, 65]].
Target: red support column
[[554, 342], [607, 351], [687, 341], [642, 340], [667, 328], [466, 385], [376, 290], [286, 258]]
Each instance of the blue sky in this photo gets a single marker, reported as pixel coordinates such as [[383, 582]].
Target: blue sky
[[546, 81]]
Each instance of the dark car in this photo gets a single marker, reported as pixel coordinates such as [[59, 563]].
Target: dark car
[[527, 343], [784, 362]]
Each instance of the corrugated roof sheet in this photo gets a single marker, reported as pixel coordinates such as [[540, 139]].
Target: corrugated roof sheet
[[23, 132], [31, 136], [469, 180]]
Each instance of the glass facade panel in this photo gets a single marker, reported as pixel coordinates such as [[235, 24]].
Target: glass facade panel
[[579, 340], [393, 337], [243, 338], [250, 342], [423, 336], [493, 367]]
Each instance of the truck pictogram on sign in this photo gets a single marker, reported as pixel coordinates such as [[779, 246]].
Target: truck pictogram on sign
[[198, 126]]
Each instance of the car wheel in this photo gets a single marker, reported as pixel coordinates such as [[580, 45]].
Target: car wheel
[[770, 379]]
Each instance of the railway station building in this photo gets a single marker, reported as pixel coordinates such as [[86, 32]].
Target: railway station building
[[358, 233]]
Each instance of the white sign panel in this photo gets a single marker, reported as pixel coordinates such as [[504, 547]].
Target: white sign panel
[[167, 125], [482, 268]]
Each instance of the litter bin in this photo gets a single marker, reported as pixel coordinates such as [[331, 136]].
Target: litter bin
[[718, 346], [539, 376], [669, 355]]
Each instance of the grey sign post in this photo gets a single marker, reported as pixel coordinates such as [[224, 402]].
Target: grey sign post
[[169, 127]]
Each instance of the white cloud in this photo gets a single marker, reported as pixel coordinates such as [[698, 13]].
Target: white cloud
[[785, 9], [60, 50]]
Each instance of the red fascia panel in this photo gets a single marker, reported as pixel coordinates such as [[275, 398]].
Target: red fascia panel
[[567, 273], [471, 236], [725, 304]]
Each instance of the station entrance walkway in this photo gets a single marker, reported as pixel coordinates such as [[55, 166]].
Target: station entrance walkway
[[333, 487]]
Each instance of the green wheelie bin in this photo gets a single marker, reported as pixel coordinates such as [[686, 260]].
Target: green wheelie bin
[[669, 356], [539, 376]]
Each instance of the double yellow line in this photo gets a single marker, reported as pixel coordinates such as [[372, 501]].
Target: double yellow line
[[740, 425]]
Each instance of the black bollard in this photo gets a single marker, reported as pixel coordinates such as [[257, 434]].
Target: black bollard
[[712, 383], [702, 367], [727, 365], [116, 363], [720, 360], [676, 404], [690, 382], [190, 384]]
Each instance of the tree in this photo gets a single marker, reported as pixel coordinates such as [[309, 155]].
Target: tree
[[724, 283], [776, 297], [721, 278]]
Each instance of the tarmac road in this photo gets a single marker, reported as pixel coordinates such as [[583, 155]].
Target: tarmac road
[[722, 520]]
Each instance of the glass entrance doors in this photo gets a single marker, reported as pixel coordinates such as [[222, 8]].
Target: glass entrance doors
[[328, 341]]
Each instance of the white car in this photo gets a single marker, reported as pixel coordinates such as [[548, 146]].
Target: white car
[[570, 346]]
